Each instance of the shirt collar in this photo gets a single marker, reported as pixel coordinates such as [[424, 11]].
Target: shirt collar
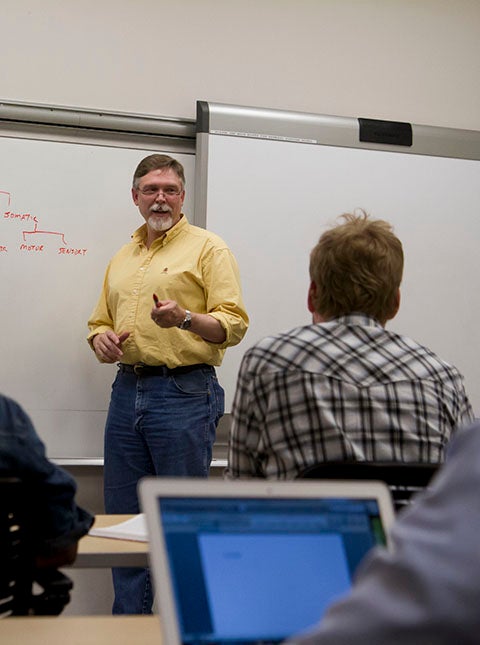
[[357, 318]]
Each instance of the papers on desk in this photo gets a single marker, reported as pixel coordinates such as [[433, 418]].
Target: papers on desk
[[132, 529]]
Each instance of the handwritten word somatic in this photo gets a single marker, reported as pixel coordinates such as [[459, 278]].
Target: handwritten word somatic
[[42, 236], [21, 216]]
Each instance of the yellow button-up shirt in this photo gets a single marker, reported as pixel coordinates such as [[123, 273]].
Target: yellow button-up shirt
[[188, 264]]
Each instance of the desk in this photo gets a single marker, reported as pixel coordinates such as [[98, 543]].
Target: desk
[[81, 630], [100, 552]]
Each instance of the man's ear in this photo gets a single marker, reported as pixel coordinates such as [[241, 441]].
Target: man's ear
[[135, 196], [312, 290], [316, 316], [396, 306]]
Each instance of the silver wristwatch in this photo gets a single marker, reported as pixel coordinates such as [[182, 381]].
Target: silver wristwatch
[[187, 321]]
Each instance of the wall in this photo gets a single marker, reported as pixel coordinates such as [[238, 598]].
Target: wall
[[412, 60]]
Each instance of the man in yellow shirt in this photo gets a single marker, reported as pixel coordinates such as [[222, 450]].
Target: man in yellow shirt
[[171, 304]]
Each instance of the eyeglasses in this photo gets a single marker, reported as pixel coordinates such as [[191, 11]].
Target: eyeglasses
[[169, 191]]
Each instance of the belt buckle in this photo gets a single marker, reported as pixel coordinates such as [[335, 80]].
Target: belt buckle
[[138, 368]]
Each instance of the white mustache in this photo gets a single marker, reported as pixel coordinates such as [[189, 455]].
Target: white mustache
[[160, 208]]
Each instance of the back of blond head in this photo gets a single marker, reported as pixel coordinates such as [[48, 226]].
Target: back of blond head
[[357, 266]]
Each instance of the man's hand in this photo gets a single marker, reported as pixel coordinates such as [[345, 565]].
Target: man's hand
[[108, 346], [167, 313]]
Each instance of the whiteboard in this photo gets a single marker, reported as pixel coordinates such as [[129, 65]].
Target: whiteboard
[[270, 198], [65, 209]]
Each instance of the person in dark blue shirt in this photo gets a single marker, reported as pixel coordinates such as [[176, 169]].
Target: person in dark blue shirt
[[58, 523]]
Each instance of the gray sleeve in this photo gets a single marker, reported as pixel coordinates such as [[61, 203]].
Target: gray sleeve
[[427, 589]]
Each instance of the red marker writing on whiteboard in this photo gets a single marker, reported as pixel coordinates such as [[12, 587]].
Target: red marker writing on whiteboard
[[156, 300]]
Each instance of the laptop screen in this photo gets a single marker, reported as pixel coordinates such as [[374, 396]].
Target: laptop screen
[[257, 570]]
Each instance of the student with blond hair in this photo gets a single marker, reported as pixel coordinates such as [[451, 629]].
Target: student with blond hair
[[344, 387]]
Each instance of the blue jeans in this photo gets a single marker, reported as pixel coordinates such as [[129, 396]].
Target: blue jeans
[[156, 426]]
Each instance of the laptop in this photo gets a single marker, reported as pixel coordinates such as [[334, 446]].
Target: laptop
[[254, 562]]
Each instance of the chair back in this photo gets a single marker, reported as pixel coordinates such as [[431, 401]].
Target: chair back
[[17, 570], [403, 479]]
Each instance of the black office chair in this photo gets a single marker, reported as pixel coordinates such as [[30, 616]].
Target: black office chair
[[403, 479], [24, 590]]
